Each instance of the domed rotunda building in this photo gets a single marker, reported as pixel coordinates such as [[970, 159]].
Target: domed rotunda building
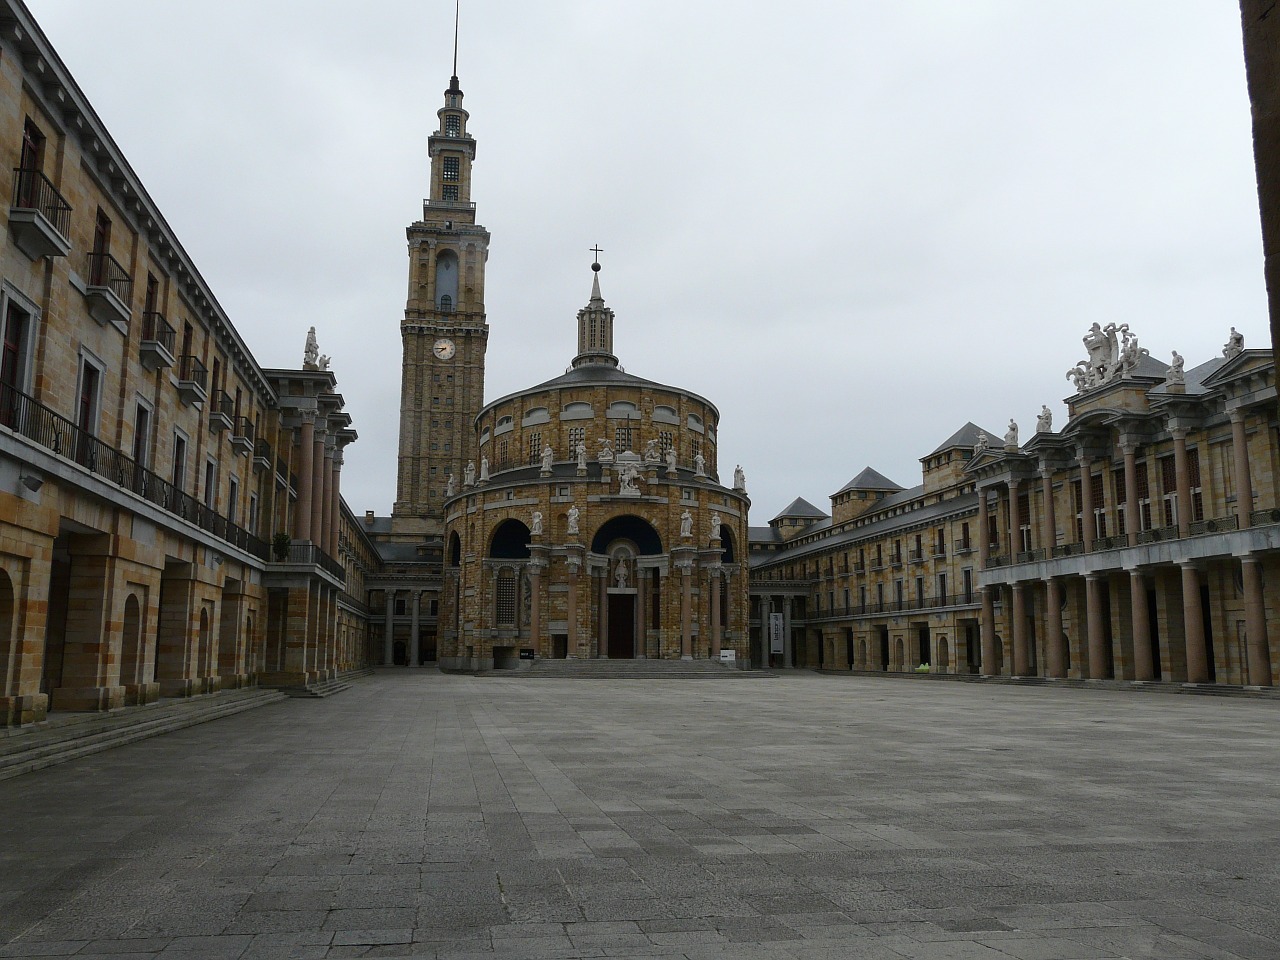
[[594, 523]]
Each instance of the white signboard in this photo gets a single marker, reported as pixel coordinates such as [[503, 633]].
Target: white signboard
[[776, 625]]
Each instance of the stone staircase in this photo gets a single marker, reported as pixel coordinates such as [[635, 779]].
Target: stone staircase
[[327, 688], [631, 670], [68, 736]]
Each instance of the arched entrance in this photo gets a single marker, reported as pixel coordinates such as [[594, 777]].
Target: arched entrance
[[132, 651], [622, 628], [8, 638]]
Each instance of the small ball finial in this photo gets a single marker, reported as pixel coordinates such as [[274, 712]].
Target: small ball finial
[[596, 267]]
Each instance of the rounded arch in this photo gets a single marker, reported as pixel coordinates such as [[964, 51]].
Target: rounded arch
[[510, 541], [726, 545], [862, 655], [628, 527], [899, 661], [944, 657], [8, 624], [455, 549], [446, 279]]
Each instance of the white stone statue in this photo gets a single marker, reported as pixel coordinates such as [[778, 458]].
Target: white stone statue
[[628, 477], [1176, 374], [699, 466], [739, 479], [671, 461], [1011, 436], [1234, 345], [651, 454], [1113, 353], [621, 574], [469, 474], [547, 455], [572, 517], [451, 486], [311, 352], [606, 451], [581, 451], [484, 469], [1044, 422], [686, 525], [536, 528], [323, 362], [715, 525], [980, 447]]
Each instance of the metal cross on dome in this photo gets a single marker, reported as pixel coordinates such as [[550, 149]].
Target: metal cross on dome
[[597, 251]]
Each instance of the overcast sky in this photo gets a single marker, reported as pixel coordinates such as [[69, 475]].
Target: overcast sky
[[853, 225]]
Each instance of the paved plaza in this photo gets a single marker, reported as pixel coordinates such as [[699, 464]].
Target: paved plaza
[[800, 818]]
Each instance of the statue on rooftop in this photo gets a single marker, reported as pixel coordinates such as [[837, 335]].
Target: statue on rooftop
[[1175, 375], [1234, 345], [311, 353], [1044, 422]]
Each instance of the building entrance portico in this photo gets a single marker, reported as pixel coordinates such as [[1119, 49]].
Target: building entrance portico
[[621, 642]]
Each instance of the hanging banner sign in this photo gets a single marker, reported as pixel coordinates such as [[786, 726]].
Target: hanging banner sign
[[776, 626]]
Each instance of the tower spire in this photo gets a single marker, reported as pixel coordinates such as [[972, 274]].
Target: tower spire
[[595, 324], [457, 9]]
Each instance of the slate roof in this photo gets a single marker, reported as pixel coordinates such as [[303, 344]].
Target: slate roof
[[1195, 377], [802, 508], [966, 436], [869, 479], [597, 374]]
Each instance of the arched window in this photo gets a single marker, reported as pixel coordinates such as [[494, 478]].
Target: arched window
[[446, 280]]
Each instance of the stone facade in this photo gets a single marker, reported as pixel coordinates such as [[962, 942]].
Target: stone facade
[[148, 463], [1028, 560]]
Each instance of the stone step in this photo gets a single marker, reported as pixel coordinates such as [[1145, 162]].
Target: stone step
[[327, 687], [68, 736], [631, 670]]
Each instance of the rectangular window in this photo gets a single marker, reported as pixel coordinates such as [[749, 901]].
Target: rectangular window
[[1144, 496], [253, 513], [533, 448], [1169, 490], [179, 477], [101, 249], [210, 484], [1097, 484], [233, 498], [622, 440], [966, 580], [449, 192], [665, 442], [452, 168], [695, 448], [1197, 492], [920, 591], [942, 588], [453, 125], [13, 361], [576, 435], [506, 601], [142, 436], [1024, 521], [32, 151]]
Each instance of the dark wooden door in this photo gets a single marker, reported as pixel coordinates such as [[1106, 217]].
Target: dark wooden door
[[622, 626]]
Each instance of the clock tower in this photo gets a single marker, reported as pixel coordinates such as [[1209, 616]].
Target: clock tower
[[444, 333]]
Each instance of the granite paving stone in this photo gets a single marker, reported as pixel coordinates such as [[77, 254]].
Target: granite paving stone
[[811, 817]]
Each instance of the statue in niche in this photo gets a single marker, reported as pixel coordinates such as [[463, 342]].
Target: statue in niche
[[1011, 436], [1234, 345], [1176, 374], [1044, 422], [311, 352], [621, 574], [535, 528], [469, 474], [572, 518], [699, 466], [715, 525], [686, 525], [739, 479], [547, 455], [451, 486], [484, 469], [651, 454], [606, 451], [628, 477], [581, 451]]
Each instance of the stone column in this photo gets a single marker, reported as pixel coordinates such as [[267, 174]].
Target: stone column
[[1055, 646], [1132, 513], [318, 485], [1087, 523], [1015, 544], [988, 638], [1140, 617], [602, 617], [327, 523], [1183, 483], [1255, 623], [1244, 482], [306, 471], [1093, 583], [686, 610], [1193, 622], [415, 630], [1021, 661], [984, 541], [536, 565], [335, 496], [642, 613], [388, 641], [574, 568], [1050, 531], [713, 581]]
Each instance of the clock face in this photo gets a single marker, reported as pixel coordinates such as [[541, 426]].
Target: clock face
[[444, 349]]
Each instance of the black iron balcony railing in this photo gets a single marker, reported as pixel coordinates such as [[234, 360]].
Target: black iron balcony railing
[[32, 190], [242, 429], [51, 430], [192, 370], [106, 271], [223, 405], [156, 327], [312, 554], [964, 546], [906, 604], [916, 556]]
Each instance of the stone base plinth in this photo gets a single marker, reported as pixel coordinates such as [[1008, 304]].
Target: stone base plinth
[[20, 711], [139, 694], [88, 698]]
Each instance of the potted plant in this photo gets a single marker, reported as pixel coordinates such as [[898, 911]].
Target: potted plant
[[280, 546]]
